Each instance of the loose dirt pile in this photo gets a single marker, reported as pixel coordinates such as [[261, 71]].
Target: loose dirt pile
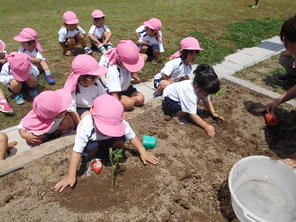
[[189, 184]]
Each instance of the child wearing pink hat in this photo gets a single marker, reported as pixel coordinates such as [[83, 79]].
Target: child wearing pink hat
[[48, 117], [19, 76], [4, 105], [179, 67], [99, 34], [71, 34], [150, 39], [102, 128], [123, 62], [31, 46], [5, 147], [84, 85]]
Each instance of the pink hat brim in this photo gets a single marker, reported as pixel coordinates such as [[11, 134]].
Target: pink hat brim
[[72, 22], [135, 67], [21, 78], [108, 130], [147, 24], [22, 39], [37, 125]]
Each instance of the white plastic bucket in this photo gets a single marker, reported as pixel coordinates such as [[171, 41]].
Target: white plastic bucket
[[263, 190]]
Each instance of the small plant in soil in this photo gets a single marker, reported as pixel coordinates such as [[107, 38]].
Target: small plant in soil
[[114, 156]]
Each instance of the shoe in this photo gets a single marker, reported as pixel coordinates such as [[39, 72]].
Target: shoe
[[5, 108], [19, 98], [50, 79], [154, 62], [33, 93], [181, 120], [155, 95], [87, 50], [102, 49]]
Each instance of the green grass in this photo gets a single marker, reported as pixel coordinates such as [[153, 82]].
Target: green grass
[[212, 22]]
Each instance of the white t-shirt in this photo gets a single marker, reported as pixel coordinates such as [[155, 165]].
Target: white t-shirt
[[6, 76], [118, 79], [86, 96], [65, 33], [175, 69], [34, 54], [185, 93], [52, 129], [98, 32], [152, 40], [86, 132]]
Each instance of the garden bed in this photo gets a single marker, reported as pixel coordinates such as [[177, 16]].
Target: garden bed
[[189, 184]]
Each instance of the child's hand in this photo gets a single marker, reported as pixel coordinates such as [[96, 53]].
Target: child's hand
[[66, 181], [148, 157], [210, 130], [217, 116], [290, 162], [33, 139]]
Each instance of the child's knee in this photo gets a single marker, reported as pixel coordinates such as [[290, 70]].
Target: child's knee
[[66, 124], [139, 99], [71, 42], [15, 86], [3, 137], [128, 104], [32, 82]]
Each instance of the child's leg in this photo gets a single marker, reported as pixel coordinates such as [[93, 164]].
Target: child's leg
[[144, 56], [3, 145], [127, 102], [161, 86], [156, 54], [81, 40], [32, 82], [143, 49], [71, 42], [48, 74], [67, 124], [15, 86]]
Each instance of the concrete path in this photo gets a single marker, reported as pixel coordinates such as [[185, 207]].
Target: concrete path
[[23, 154]]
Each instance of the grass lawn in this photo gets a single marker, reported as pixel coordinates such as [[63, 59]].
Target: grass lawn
[[221, 27]]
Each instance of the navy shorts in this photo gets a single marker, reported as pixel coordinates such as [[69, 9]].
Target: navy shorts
[[130, 90], [102, 144], [156, 82], [170, 107]]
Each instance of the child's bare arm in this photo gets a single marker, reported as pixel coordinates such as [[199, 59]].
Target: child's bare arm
[[200, 122], [167, 78], [144, 155], [210, 107], [93, 38], [137, 35], [70, 179], [30, 137], [35, 60]]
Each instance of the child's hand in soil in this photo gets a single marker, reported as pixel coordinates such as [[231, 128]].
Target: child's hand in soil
[[217, 117], [290, 162], [33, 139], [210, 130], [148, 157], [66, 181], [11, 145]]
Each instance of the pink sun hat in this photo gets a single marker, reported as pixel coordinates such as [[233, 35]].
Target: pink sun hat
[[107, 113], [28, 34], [97, 14], [83, 65], [46, 107], [188, 43], [70, 18], [153, 23], [2, 46], [19, 64]]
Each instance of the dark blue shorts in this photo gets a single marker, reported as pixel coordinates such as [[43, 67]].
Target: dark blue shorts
[[170, 107], [156, 82], [130, 90], [81, 110], [101, 144]]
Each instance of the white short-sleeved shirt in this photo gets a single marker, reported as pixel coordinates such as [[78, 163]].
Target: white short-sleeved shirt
[[86, 132], [185, 93], [6, 76], [34, 54], [52, 129], [118, 79], [175, 69], [65, 33], [152, 40], [98, 32], [86, 96]]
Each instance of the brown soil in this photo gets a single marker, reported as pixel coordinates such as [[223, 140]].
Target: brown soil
[[189, 184]]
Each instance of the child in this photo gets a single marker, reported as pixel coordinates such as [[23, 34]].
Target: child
[[70, 34], [2, 54], [47, 118], [5, 146], [103, 124], [84, 85], [31, 46], [122, 61], [179, 67], [99, 34], [181, 99], [150, 39], [19, 75]]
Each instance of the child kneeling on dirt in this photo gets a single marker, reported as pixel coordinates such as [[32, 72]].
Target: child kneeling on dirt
[[104, 123], [181, 99], [48, 117]]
